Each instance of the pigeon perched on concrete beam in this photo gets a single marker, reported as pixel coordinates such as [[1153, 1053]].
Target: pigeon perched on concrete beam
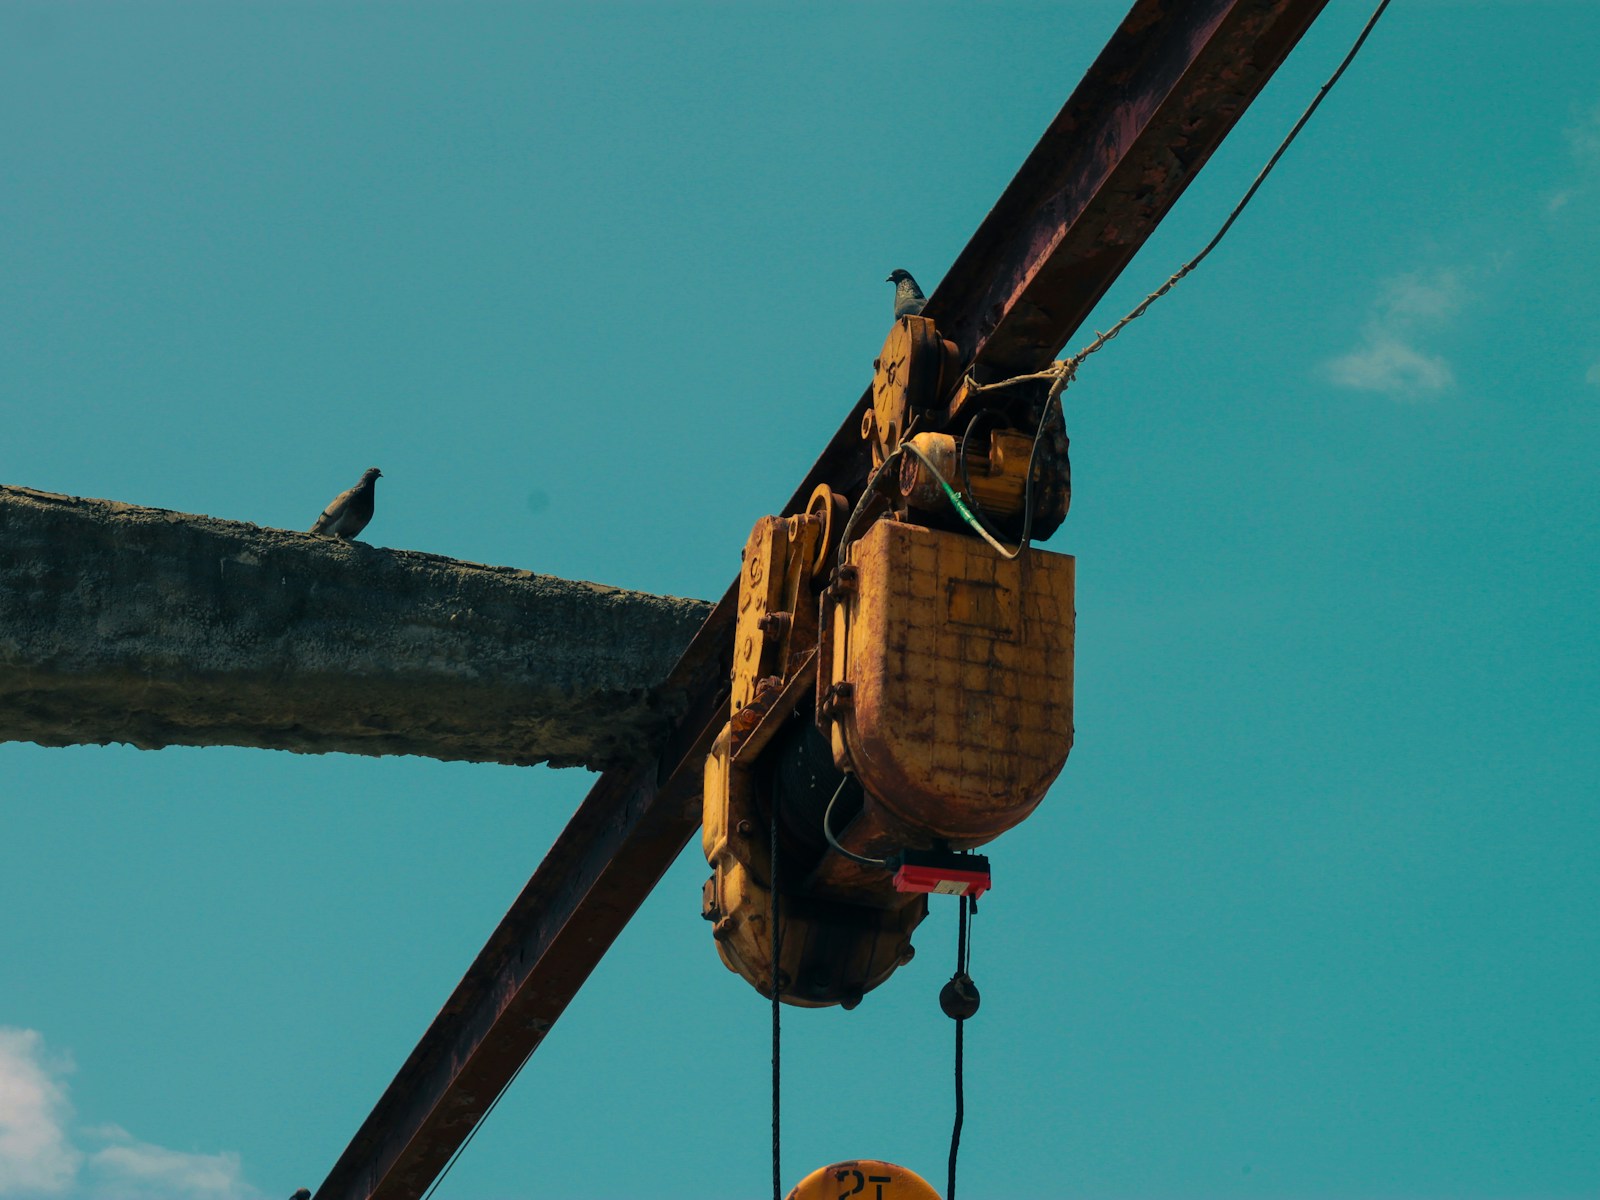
[[350, 511], [908, 297]]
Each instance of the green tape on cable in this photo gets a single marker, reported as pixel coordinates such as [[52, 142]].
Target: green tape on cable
[[967, 514]]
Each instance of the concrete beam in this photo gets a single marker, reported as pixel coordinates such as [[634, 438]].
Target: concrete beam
[[156, 628]]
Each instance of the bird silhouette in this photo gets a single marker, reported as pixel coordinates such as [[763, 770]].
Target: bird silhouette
[[301, 1194], [349, 512], [908, 297]]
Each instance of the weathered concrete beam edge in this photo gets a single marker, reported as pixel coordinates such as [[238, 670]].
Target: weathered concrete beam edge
[[155, 628]]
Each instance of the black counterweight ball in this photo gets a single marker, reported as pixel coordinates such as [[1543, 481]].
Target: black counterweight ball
[[959, 998]]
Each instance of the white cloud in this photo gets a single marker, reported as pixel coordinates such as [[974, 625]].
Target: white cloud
[[1389, 357], [39, 1157], [1385, 364], [35, 1154], [129, 1169]]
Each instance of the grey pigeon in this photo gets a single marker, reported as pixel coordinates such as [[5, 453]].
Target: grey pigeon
[[908, 297], [350, 511], [301, 1194]]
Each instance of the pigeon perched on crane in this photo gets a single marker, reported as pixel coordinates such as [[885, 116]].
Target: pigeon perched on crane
[[908, 297], [349, 511]]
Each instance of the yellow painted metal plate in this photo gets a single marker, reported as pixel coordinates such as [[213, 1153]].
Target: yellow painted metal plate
[[960, 665], [906, 379], [863, 1179]]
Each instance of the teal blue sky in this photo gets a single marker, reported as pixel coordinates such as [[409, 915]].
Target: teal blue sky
[[1312, 909]]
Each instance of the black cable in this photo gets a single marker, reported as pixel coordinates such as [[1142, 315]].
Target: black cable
[[961, 1024], [961, 937], [866, 494], [777, 948], [1027, 489], [955, 1134], [827, 831], [966, 477]]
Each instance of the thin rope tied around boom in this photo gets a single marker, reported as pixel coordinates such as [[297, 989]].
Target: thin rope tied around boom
[[1063, 370]]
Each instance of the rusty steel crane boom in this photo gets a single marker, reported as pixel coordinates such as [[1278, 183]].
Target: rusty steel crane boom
[[1167, 88]]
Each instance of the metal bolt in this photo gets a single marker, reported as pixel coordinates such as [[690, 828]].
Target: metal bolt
[[836, 697]]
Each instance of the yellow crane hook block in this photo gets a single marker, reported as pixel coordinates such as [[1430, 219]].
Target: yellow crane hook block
[[909, 703]]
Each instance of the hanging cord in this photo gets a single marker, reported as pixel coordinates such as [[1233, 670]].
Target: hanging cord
[[959, 1000], [777, 951], [1061, 372], [961, 1028]]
